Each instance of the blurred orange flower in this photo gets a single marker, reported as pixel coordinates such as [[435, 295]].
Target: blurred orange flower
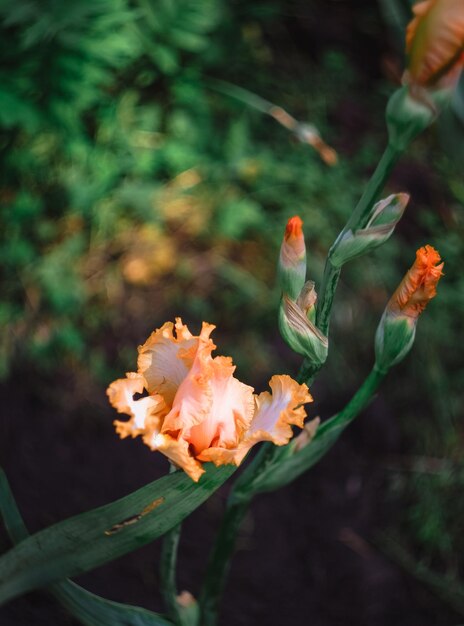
[[193, 409], [435, 43], [419, 284]]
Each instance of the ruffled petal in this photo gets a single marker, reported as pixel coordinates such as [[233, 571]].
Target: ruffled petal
[[224, 456], [146, 413], [231, 409], [193, 400], [275, 414], [165, 358], [177, 451], [419, 285]]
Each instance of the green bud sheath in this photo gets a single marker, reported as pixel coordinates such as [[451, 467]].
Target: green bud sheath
[[381, 223]]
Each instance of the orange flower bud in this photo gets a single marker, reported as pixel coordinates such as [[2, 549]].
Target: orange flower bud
[[419, 285], [293, 247], [397, 329], [292, 260], [435, 43]]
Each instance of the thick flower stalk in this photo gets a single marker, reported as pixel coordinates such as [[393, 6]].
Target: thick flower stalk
[[194, 410], [397, 328]]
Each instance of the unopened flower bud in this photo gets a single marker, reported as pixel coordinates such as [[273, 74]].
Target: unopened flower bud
[[397, 328], [407, 117], [292, 260], [299, 332], [385, 215], [188, 608], [185, 599]]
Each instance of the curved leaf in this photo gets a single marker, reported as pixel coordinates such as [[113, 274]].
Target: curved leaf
[[84, 542], [92, 610], [89, 609]]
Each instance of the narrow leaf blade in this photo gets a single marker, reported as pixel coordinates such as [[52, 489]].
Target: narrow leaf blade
[[89, 609], [84, 542]]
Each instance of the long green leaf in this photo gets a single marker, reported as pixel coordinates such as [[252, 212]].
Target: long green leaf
[[92, 610], [84, 542], [89, 609]]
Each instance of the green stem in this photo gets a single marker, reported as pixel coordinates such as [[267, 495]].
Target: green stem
[[358, 219], [241, 497], [224, 546], [219, 563], [168, 572], [308, 372], [387, 162], [168, 563], [363, 396], [328, 288], [225, 543]]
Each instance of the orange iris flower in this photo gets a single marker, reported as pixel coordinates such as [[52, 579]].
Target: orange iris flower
[[418, 286], [193, 409], [435, 43]]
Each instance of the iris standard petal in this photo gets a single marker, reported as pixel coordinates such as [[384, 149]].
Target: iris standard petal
[[231, 409], [193, 399], [166, 357]]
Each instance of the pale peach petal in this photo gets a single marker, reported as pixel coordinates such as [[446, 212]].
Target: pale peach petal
[[165, 358], [177, 451], [272, 421], [146, 413], [231, 409], [193, 400], [277, 412]]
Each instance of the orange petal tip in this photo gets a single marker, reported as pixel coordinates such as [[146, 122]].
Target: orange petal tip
[[294, 227]]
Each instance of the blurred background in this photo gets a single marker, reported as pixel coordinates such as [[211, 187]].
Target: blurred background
[[142, 179]]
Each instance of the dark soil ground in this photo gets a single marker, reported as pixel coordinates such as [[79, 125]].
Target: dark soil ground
[[306, 554]]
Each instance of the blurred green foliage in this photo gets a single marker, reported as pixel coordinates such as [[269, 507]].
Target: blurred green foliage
[[132, 191]]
